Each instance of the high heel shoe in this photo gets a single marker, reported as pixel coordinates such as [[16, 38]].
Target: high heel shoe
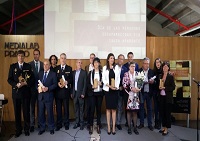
[[109, 132], [113, 133]]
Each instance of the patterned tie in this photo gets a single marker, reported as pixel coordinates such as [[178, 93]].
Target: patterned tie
[[44, 77], [62, 69], [36, 67]]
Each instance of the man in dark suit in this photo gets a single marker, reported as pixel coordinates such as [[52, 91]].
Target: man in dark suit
[[146, 94], [36, 66], [63, 92], [130, 57], [87, 108], [45, 97], [21, 78], [78, 93]]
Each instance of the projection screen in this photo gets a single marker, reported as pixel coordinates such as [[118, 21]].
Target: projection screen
[[81, 27]]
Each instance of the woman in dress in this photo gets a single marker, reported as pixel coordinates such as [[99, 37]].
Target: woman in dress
[[111, 81], [157, 72], [95, 95], [133, 99], [166, 98]]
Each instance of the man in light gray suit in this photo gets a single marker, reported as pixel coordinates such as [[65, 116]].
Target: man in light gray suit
[[78, 93], [36, 66]]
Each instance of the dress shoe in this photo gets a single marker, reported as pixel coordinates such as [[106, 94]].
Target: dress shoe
[[150, 128], [66, 127], [164, 133], [129, 131], [91, 130], [81, 127], [51, 132], [32, 129], [119, 127], [17, 134], [57, 128], [136, 131], [41, 132], [27, 133], [98, 129], [76, 126], [161, 131], [140, 126]]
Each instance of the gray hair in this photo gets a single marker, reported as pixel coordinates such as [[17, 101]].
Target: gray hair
[[146, 59]]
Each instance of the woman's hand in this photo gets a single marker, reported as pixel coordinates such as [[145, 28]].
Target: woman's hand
[[135, 90], [161, 88]]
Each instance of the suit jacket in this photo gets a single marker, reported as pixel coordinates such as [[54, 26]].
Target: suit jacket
[[63, 92], [169, 88], [51, 83], [90, 90], [151, 86], [81, 84], [32, 63], [13, 79], [105, 78]]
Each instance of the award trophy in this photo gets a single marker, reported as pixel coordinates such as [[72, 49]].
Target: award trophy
[[95, 83], [112, 82]]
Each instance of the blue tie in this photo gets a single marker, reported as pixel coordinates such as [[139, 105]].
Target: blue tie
[[44, 77]]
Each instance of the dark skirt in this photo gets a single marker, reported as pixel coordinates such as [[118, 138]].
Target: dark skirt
[[111, 99]]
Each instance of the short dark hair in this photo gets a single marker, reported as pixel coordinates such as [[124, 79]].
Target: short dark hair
[[51, 58], [130, 53], [166, 63], [36, 50], [120, 55], [92, 54], [20, 52], [96, 59], [131, 63]]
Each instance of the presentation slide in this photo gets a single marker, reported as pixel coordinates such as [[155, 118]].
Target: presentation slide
[[81, 27]]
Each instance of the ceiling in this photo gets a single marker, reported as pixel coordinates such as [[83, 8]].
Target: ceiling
[[164, 17]]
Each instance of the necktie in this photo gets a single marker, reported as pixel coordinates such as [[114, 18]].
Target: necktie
[[36, 67], [62, 69], [44, 77], [20, 67]]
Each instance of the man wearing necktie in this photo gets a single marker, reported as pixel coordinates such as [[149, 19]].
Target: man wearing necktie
[[21, 78], [63, 92], [45, 98], [36, 66]]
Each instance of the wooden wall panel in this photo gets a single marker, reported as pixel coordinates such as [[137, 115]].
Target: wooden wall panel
[[166, 48]]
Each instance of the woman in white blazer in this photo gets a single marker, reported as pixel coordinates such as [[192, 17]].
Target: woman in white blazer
[[111, 81]]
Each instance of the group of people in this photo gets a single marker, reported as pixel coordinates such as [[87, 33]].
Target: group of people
[[42, 82]]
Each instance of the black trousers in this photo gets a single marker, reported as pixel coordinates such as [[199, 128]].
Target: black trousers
[[125, 98], [33, 100], [24, 105], [95, 101], [65, 103], [165, 112]]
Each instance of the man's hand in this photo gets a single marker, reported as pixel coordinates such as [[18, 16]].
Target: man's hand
[[18, 85], [45, 89], [65, 83], [60, 85], [82, 96]]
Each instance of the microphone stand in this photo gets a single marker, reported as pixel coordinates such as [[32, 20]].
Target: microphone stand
[[198, 84]]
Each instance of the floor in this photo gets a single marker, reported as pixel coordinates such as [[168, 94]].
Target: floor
[[178, 132]]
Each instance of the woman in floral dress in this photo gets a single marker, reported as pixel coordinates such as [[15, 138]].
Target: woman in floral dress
[[130, 86]]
